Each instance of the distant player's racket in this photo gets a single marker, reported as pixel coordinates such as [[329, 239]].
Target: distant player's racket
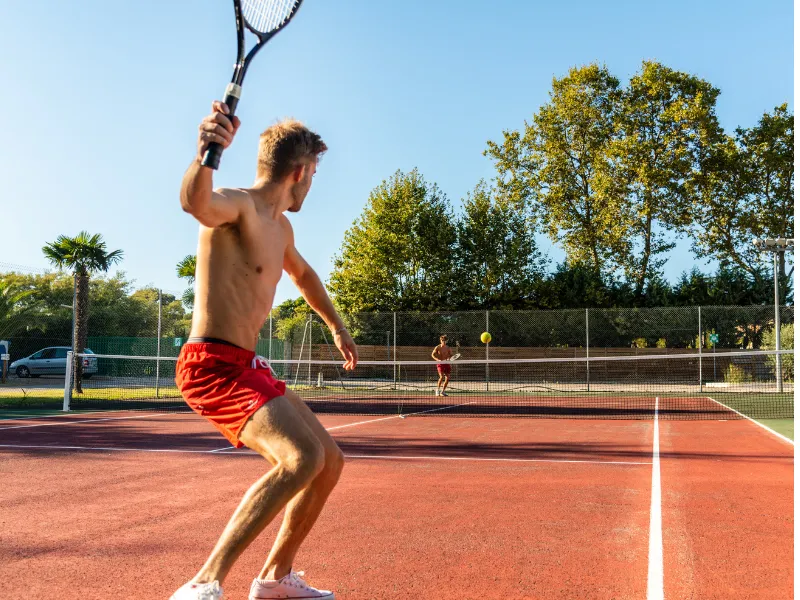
[[264, 18], [455, 356]]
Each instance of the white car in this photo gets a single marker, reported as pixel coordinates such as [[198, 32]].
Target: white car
[[51, 361]]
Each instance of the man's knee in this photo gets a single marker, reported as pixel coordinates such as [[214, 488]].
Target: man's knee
[[306, 461], [334, 463]]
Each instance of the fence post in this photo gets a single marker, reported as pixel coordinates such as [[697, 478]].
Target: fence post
[[310, 343], [487, 352], [700, 342], [587, 351], [778, 357], [158, 347], [394, 358], [269, 352], [68, 381]]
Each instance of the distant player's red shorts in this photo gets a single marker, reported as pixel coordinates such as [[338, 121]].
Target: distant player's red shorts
[[226, 384], [443, 368]]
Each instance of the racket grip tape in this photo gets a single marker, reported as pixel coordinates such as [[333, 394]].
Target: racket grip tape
[[214, 151]]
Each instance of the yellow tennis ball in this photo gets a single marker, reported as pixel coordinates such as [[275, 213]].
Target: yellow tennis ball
[[486, 337]]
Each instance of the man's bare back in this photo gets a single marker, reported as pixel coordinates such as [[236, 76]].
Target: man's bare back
[[238, 269]]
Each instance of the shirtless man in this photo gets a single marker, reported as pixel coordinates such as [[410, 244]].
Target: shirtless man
[[245, 243], [442, 352]]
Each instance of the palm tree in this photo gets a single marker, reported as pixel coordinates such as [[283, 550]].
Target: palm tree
[[83, 255], [186, 270]]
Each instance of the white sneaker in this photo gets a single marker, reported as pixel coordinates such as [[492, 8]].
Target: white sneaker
[[443, 394], [198, 591], [437, 393], [290, 587]]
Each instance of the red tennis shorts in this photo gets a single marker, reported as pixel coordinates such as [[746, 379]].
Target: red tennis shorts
[[226, 384], [443, 368]]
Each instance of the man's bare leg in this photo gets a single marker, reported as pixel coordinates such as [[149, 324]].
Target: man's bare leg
[[446, 381], [303, 510], [281, 436]]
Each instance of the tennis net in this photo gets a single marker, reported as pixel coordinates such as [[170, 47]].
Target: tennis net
[[688, 386]]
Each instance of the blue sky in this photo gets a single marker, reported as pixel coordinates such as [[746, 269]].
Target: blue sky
[[102, 101]]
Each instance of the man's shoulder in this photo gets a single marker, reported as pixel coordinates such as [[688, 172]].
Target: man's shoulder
[[239, 195], [233, 192]]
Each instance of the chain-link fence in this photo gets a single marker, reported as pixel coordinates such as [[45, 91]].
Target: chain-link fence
[[544, 333]]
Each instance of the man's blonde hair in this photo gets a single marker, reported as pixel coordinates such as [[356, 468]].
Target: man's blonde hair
[[285, 145]]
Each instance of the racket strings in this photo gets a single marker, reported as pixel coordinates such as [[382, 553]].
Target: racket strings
[[267, 15]]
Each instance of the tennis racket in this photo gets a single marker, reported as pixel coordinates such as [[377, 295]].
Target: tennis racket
[[263, 18], [455, 357]]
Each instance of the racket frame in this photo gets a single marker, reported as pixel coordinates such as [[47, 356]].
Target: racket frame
[[233, 92]]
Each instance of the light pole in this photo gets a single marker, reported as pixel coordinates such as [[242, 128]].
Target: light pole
[[776, 246]]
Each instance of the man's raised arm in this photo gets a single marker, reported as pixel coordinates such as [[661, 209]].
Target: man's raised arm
[[198, 198]]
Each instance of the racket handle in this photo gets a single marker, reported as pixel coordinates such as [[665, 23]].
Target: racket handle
[[214, 151]]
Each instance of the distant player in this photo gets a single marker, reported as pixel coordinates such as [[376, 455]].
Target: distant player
[[442, 352]]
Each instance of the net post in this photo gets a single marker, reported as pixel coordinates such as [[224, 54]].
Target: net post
[[68, 382], [587, 351], [700, 343], [158, 347]]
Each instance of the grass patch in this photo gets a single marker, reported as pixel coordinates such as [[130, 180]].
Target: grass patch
[[44, 399], [783, 426]]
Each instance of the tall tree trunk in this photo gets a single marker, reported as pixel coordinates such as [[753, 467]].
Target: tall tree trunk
[[642, 278], [81, 328]]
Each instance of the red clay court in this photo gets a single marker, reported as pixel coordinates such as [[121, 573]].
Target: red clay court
[[101, 505]]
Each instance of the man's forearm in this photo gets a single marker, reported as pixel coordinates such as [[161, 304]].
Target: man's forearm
[[316, 295], [196, 188]]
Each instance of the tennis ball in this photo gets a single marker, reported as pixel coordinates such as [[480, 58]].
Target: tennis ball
[[486, 337]]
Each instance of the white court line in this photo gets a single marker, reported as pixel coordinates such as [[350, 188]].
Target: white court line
[[422, 412], [655, 564], [227, 452], [96, 448], [772, 431], [362, 422], [477, 458], [61, 414], [144, 416]]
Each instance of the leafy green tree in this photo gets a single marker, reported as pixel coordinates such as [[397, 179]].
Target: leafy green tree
[[498, 263], [13, 308], [186, 269], [746, 190], [666, 122], [787, 343], [83, 254], [399, 253], [175, 322], [730, 286], [556, 165], [580, 286], [40, 310], [289, 319]]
